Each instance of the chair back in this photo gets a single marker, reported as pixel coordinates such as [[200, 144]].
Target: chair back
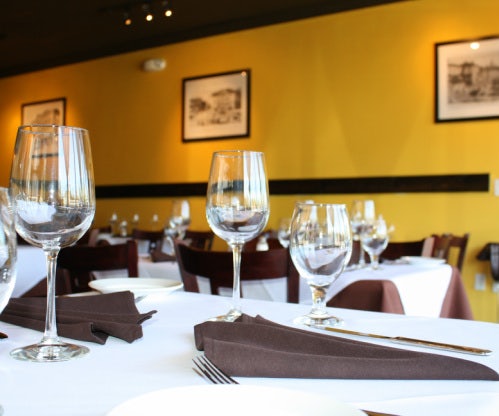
[[199, 239], [397, 249], [448, 246], [217, 266], [75, 264], [153, 239]]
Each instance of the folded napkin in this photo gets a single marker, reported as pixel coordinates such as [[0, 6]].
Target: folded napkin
[[256, 347], [87, 318], [157, 256]]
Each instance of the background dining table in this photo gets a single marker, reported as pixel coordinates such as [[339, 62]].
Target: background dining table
[[117, 371], [411, 289]]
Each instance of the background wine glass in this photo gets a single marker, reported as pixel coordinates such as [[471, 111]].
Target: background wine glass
[[361, 214], [237, 207], [53, 194], [284, 231], [180, 217], [8, 251], [374, 240], [320, 247]]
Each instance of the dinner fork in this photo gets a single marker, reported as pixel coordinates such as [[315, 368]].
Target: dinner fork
[[206, 369], [209, 371]]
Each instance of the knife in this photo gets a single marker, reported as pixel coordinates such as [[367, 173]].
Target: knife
[[3, 336], [409, 341]]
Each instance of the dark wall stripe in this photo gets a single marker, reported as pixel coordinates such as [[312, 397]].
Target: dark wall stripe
[[369, 185]]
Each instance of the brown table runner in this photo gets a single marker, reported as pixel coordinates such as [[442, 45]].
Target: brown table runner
[[87, 318], [256, 347]]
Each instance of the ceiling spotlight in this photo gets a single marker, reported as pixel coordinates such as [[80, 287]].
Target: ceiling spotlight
[[167, 9], [147, 12], [127, 20]]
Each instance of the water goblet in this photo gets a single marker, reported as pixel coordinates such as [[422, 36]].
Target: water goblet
[[374, 240], [53, 195], [320, 247], [237, 207]]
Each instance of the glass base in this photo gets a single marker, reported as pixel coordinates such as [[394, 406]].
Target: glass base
[[230, 316], [318, 321], [46, 353]]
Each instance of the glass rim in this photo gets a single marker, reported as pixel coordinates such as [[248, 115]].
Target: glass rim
[[233, 153], [36, 128], [320, 204]]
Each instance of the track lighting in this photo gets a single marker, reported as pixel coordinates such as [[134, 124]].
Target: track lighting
[[146, 8], [167, 10], [134, 11]]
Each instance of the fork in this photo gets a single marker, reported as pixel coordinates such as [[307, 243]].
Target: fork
[[209, 371], [206, 369]]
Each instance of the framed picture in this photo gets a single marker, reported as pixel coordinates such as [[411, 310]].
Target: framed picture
[[44, 112], [467, 80], [216, 106]]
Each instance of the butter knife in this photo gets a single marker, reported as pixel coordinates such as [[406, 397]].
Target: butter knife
[[409, 341]]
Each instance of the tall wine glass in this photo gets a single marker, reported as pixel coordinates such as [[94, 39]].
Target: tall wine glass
[[361, 214], [283, 231], [180, 217], [320, 247], [237, 207], [53, 193], [374, 240]]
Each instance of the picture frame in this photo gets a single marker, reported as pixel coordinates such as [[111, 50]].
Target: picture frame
[[216, 106], [44, 112], [467, 80]]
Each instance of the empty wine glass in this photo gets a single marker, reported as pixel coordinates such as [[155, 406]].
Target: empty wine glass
[[320, 247], [237, 207], [284, 231], [180, 217], [53, 194], [361, 213], [8, 249], [374, 239]]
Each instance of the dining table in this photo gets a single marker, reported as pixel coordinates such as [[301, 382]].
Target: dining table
[[117, 371], [420, 289]]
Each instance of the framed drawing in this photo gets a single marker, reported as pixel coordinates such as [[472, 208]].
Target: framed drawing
[[44, 112], [467, 80], [216, 106]]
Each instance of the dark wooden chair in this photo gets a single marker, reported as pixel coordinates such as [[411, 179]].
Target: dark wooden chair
[[199, 239], [398, 249], [154, 238], [217, 266], [75, 264], [451, 247]]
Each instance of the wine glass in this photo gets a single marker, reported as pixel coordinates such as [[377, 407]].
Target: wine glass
[[237, 207], [180, 217], [374, 239], [284, 231], [361, 214], [320, 247], [53, 194]]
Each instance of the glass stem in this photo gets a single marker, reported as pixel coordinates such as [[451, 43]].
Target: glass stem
[[374, 261], [237, 248], [319, 301], [50, 335]]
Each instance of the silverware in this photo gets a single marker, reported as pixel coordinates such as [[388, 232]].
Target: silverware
[[409, 341], [209, 371], [3, 336], [206, 369]]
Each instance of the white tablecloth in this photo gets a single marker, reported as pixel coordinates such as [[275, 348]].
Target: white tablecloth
[[117, 371]]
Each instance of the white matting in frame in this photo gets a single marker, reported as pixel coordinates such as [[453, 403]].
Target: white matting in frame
[[44, 112]]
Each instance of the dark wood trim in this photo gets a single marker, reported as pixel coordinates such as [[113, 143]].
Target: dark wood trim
[[369, 185]]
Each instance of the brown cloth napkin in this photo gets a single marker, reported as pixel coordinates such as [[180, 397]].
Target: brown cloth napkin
[[87, 318], [158, 256], [256, 347]]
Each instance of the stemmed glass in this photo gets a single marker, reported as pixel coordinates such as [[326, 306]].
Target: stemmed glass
[[237, 207], [180, 217], [320, 247], [53, 194], [374, 239], [8, 251], [361, 214], [284, 231]]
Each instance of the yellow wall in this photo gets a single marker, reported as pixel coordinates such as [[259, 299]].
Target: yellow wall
[[343, 95]]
